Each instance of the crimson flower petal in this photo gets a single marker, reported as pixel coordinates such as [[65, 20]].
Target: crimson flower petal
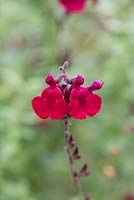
[[83, 103], [56, 104], [76, 111], [94, 103], [59, 109], [40, 107], [74, 6], [78, 103]]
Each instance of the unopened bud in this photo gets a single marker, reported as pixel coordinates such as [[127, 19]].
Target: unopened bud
[[79, 80], [96, 85], [50, 80]]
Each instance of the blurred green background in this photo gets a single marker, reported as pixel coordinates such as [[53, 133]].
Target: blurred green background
[[36, 37]]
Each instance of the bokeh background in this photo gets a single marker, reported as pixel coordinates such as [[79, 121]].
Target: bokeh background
[[36, 37]]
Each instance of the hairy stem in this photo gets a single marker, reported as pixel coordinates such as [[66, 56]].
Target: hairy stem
[[74, 172]]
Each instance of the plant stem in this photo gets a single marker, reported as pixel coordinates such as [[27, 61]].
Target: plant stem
[[75, 175]]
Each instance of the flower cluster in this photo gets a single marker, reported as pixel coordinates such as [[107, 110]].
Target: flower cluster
[[67, 99]]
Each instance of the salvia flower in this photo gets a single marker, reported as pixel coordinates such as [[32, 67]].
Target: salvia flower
[[83, 103], [73, 6], [51, 102], [68, 99]]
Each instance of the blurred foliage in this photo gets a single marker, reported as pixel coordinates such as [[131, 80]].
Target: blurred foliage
[[35, 38]]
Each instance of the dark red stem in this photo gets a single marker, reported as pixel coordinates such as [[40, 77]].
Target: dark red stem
[[75, 175]]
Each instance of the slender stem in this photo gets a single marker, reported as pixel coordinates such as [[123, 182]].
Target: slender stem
[[75, 175]]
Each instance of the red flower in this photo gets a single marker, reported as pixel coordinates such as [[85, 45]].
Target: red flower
[[51, 102], [58, 101], [74, 6], [83, 103], [129, 197]]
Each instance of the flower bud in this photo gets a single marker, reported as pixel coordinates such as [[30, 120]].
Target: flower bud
[[96, 85], [50, 80], [79, 80]]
